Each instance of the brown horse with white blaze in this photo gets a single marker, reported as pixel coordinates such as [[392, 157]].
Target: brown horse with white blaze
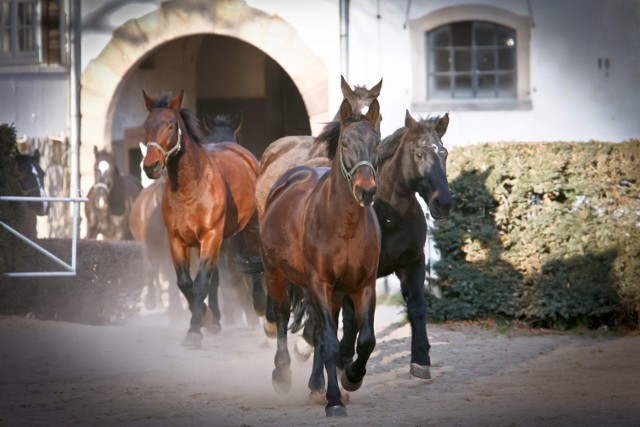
[[208, 197]]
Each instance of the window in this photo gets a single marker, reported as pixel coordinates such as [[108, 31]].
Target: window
[[472, 60], [470, 57], [30, 32]]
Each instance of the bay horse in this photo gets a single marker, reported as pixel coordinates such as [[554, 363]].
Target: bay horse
[[320, 232], [208, 197], [147, 225], [31, 180], [290, 151], [110, 199], [411, 160]]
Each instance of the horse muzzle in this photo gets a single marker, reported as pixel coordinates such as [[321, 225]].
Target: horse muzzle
[[153, 170]]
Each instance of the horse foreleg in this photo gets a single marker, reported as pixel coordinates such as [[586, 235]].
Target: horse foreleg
[[364, 305], [412, 286], [212, 278], [207, 282], [180, 255], [349, 333]]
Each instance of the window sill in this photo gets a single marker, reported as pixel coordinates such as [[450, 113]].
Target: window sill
[[32, 69], [471, 105]]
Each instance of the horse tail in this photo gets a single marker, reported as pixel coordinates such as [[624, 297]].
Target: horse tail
[[298, 307]]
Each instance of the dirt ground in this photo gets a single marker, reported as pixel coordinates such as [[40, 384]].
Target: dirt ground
[[138, 374]]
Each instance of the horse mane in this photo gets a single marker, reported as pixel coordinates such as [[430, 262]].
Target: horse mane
[[189, 118], [331, 134], [388, 145]]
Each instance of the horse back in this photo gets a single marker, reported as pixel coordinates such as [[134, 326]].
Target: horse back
[[282, 225], [238, 168], [280, 156]]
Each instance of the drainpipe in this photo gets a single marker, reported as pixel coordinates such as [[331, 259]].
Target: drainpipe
[[344, 38], [73, 22]]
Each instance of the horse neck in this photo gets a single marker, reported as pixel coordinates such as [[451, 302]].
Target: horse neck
[[336, 193], [393, 187], [187, 166], [117, 199]]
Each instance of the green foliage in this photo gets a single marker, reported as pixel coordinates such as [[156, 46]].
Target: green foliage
[[9, 186], [546, 233]]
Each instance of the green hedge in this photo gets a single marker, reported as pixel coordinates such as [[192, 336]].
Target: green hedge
[[548, 233]]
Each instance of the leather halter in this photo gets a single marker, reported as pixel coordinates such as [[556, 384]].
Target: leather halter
[[173, 150]]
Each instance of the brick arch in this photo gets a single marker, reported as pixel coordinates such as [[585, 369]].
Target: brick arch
[[105, 75]]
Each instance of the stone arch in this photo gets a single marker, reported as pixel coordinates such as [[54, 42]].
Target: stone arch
[[103, 77]]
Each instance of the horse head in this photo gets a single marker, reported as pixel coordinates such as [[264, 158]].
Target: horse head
[[222, 128], [105, 175], [357, 146], [163, 133], [424, 160], [32, 180], [360, 98]]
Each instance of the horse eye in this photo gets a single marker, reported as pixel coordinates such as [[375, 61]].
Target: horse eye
[[419, 155]]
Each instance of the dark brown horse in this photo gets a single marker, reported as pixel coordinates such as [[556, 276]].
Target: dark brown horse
[[412, 160], [208, 197], [110, 199], [31, 180], [290, 151], [320, 232]]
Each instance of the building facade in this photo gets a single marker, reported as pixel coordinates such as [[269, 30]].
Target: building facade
[[73, 71]]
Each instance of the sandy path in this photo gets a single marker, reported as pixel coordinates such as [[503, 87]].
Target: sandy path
[[55, 373]]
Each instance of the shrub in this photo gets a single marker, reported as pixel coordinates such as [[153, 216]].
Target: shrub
[[548, 233]]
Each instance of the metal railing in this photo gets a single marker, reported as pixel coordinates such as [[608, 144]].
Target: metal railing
[[69, 268]]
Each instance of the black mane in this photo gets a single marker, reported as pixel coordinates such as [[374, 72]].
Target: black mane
[[188, 117], [331, 134], [388, 145]]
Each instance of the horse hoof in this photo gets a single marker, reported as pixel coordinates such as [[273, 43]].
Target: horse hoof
[[302, 350], [214, 328], [269, 329], [318, 397], [420, 371], [336, 411], [347, 384], [193, 339], [281, 380]]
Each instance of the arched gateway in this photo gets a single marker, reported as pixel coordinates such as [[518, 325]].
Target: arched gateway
[[105, 75]]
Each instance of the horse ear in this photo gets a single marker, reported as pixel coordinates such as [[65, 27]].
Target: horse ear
[[376, 89], [95, 151], [346, 89], [148, 101], [409, 121], [345, 111], [176, 103], [442, 125], [374, 112], [36, 155]]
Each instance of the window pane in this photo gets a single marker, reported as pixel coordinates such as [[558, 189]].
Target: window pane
[[507, 59], [507, 85], [487, 86], [461, 34], [440, 85], [462, 59], [5, 24], [486, 60], [440, 37], [484, 34], [505, 36], [463, 87], [26, 28], [442, 60]]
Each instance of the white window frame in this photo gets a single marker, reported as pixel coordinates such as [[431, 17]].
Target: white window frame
[[421, 99]]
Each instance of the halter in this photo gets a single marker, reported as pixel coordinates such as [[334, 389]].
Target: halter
[[102, 185], [348, 174], [172, 150]]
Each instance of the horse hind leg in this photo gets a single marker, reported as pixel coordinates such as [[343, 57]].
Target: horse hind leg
[[412, 280]]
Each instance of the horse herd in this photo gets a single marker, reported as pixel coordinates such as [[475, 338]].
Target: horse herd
[[307, 229]]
